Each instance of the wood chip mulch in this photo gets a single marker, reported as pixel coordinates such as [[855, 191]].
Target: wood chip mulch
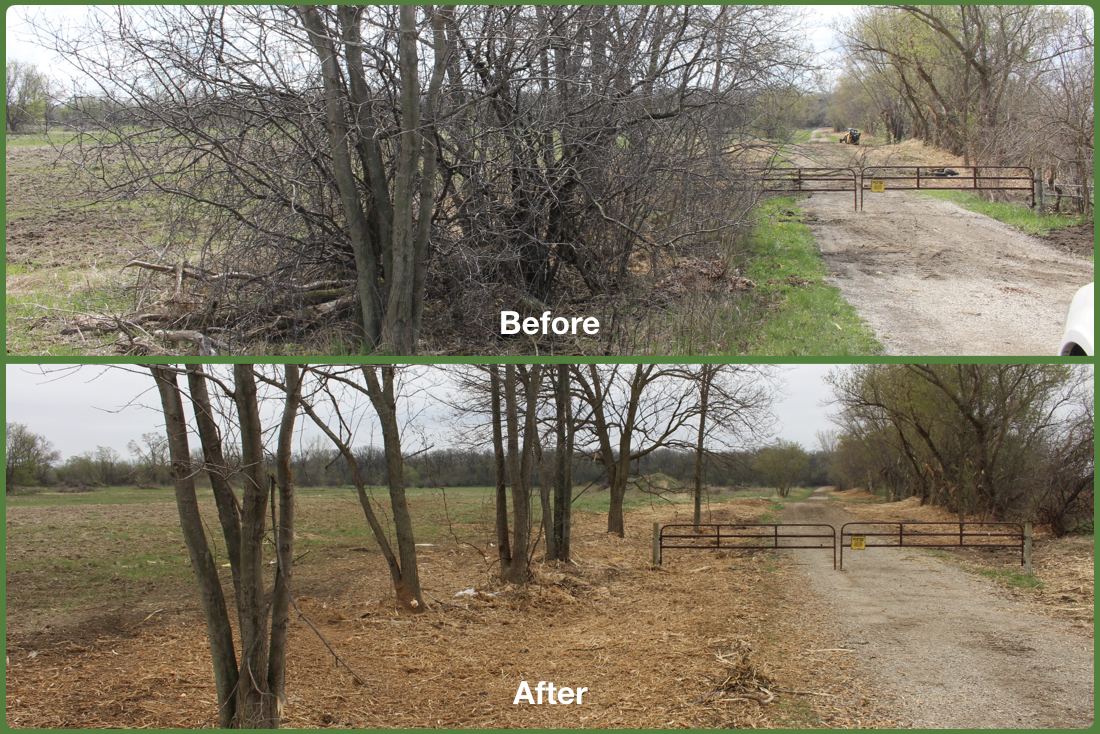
[[708, 640]]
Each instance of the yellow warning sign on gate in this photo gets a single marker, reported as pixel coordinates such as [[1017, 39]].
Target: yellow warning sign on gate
[[859, 542], [877, 186]]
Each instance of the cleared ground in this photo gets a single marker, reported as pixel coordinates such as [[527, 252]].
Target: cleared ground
[[104, 628], [932, 278]]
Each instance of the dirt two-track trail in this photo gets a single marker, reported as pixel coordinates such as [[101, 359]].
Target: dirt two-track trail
[[931, 278], [945, 648]]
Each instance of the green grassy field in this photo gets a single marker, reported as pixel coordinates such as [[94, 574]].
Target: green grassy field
[[56, 137], [461, 500], [76, 551]]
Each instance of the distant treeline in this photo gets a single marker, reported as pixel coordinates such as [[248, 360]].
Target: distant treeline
[[319, 467]]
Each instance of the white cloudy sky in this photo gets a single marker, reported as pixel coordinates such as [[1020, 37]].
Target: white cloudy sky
[[96, 406]]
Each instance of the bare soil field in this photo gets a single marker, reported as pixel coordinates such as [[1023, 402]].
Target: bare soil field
[[61, 247], [47, 226], [726, 639], [932, 278]]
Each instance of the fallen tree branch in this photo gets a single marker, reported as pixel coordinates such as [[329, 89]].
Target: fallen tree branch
[[185, 270], [208, 347], [326, 309]]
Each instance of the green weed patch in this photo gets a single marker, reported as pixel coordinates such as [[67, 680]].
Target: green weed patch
[[804, 316], [1016, 215]]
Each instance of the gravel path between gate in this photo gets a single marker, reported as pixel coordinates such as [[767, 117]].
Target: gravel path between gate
[[930, 277], [944, 646]]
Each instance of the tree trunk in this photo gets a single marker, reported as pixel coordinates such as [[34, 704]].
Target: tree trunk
[[255, 705], [504, 549], [615, 520], [546, 500], [563, 467], [385, 405], [365, 249], [218, 631], [708, 372], [398, 336], [517, 572], [284, 545], [218, 472]]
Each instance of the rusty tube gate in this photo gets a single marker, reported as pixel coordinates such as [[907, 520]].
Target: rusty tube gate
[[935, 535], [744, 536]]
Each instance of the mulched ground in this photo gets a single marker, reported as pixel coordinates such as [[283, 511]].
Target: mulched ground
[[709, 640]]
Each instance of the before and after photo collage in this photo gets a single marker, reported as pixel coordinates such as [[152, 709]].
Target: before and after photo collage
[[549, 366]]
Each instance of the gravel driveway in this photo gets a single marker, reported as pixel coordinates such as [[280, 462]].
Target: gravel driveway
[[932, 278], [944, 647]]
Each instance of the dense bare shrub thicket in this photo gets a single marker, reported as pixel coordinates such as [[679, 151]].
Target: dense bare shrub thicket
[[1007, 441], [999, 85], [440, 162]]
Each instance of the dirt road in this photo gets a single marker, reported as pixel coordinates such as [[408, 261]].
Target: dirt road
[[945, 647], [932, 278]]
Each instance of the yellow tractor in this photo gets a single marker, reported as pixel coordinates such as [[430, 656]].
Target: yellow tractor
[[851, 137]]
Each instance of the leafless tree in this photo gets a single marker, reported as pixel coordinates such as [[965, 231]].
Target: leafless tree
[[1066, 477], [251, 689], [628, 415], [311, 161], [334, 386], [607, 121], [733, 409]]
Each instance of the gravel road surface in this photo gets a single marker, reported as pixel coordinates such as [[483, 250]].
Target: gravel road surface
[[946, 647], [930, 277]]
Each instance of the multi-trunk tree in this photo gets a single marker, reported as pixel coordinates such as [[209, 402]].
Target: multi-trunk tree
[[251, 686], [318, 161], [966, 437], [996, 84]]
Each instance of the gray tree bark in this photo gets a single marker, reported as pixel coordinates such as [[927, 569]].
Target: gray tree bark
[[218, 631], [385, 405]]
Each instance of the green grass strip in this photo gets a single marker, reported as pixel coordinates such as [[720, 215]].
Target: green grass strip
[[1020, 217], [805, 316]]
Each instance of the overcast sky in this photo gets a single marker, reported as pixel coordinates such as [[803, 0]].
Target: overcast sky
[[96, 406], [20, 46]]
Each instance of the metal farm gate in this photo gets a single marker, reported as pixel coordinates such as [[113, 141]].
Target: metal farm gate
[[893, 178], [940, 178], [856, 535], [747, 536], [808, 181], [865, 535]]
